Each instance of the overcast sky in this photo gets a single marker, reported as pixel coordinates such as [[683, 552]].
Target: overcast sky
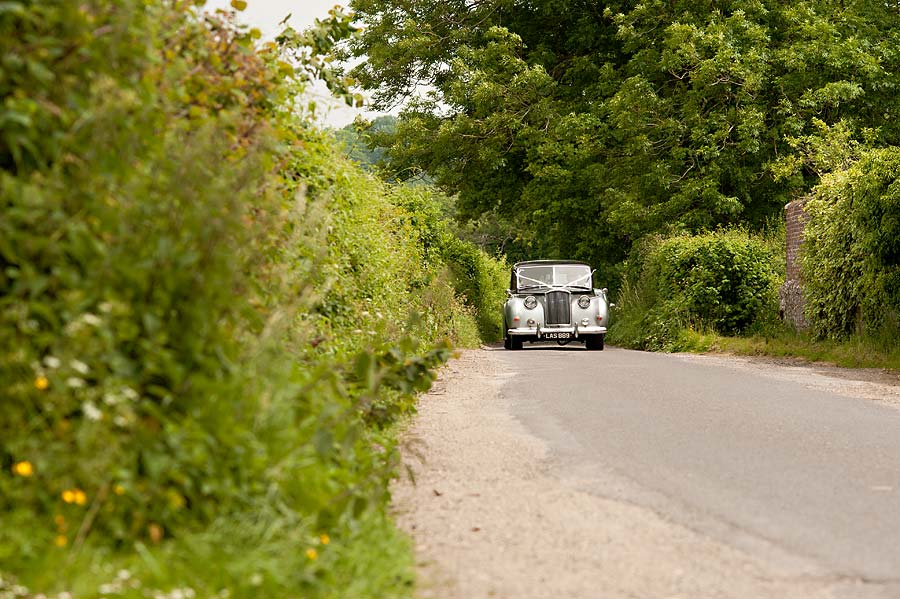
[[266, 14]]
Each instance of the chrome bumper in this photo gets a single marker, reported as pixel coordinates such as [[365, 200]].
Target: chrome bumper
[[539, 332]]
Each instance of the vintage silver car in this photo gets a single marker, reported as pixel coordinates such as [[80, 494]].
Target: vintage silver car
[[554, 300]]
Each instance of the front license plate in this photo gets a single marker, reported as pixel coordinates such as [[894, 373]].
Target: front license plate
[[557, 335]]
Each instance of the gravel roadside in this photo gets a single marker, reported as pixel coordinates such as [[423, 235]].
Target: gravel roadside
[[489, 518]]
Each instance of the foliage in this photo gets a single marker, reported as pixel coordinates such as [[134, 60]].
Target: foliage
[[477, 278], [851, 250], [782, 341], [587, 126], [724, 282], [359, 140], [207, 317]]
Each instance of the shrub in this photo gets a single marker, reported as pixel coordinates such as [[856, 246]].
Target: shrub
[[851, 249], [476, 277], [725, 281], [207, 318]]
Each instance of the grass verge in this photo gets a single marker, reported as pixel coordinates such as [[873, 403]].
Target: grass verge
[[782, 342]]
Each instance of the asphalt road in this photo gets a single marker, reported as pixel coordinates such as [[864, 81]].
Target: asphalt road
[[774, 462]]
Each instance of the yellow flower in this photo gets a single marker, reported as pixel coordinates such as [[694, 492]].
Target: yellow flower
[[60, 541], [41, 383], [312, 554], [324, 539], [76, 496], [119, 490], [23, 468]]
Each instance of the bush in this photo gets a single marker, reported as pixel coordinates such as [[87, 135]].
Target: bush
[[207, 318], [724, 281], [851, 249], [476, 277]]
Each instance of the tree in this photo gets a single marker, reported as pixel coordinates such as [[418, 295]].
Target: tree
[[589, 125]]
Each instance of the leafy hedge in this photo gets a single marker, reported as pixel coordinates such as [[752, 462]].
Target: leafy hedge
[[851, 249], [478, 278], [724, 281], [207, 318]]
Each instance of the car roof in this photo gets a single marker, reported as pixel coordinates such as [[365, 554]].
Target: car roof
[[549, 262]]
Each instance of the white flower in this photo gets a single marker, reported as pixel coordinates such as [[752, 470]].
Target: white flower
[[130, 393], [91, 319], [91, 412], [75, 382], [123, 574], [106, 307], [52, 362], [79, 366]]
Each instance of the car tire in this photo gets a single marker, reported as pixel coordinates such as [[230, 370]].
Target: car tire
[[594, 342], [512, 343]]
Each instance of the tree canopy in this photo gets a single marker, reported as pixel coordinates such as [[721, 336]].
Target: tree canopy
[[586, 125]]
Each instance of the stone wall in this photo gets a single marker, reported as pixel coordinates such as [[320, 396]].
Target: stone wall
[[791, 293]]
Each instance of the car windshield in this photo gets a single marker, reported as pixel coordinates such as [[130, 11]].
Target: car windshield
[[554, 275]]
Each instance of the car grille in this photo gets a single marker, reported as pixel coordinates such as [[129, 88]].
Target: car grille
[[559, 308]]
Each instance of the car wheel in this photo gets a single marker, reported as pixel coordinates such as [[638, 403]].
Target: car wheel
[[594, 342], [512, 343]]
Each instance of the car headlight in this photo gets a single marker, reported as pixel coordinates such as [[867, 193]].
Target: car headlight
[[531, 302], [584, 302]]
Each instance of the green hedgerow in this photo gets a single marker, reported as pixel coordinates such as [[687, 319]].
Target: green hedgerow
[[209, 321], [725, 281], [851, 249]]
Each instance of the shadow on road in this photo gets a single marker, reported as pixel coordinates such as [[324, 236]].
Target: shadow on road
[[540, 346]]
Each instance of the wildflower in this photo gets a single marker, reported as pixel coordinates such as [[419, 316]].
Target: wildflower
[[60, 541], [91, 319], [76, 496], [74, 382], [23, 468], [79, 366], [52, 362], [41, 383], [312, 554], [324, 539], [91, 411], [119, 490]]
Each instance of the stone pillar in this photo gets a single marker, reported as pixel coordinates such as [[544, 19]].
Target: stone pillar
[[791, 293]]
